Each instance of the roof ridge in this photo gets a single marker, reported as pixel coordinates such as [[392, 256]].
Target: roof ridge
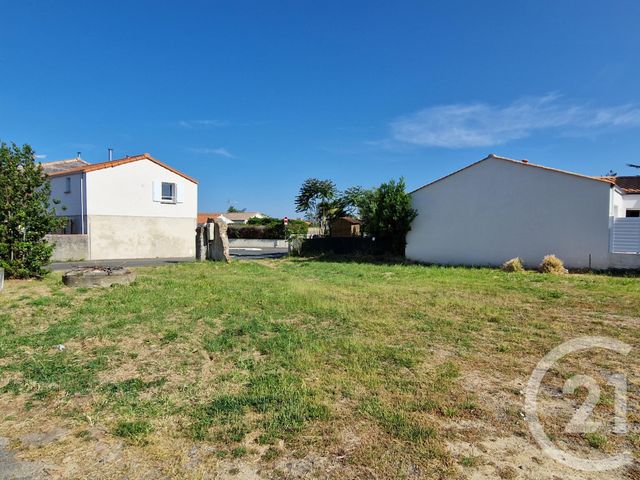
[[90, 167], [523, 162]]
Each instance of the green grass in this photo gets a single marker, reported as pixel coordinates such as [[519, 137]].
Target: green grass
[[298, 351]]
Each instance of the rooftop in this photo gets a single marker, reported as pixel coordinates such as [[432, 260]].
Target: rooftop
[[58, 168], [51, 168], [630, 184], [609, 180]]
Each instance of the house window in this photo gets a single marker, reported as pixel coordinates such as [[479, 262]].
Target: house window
[[67, 185], [168, 192], [633, 213]]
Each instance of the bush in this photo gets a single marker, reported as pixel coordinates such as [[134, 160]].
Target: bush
[[267, 228], [386, 214], [26, 214], [513, 265], [552, 264]]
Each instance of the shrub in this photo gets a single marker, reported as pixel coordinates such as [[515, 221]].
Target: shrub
[[26, 214], [267, 228], [513, 265], [387, 213], [552, 264]]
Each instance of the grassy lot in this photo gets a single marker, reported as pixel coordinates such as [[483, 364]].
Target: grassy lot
[[296, 368]]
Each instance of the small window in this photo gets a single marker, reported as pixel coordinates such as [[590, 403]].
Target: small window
[[633, 213], [168, 192], [67, 186]]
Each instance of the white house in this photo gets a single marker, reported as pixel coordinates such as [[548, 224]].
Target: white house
[[499, 208], [133, 207]]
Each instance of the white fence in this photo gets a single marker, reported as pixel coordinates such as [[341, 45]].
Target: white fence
[[625, 235]]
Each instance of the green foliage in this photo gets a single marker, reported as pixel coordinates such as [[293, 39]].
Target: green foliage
[[386, 213], [134, 431], [25, 213], [233, 209], [267, 228], [321, 200]]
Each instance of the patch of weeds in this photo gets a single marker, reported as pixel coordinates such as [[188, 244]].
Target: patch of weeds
[[449, 411], [285, 404], [11, 387], [134, 431], [132, 386], [271, 453], [446, 373], [596, 440], [468, 405], [169, 337], [503, 348], [396, 423], [61, 371], [468, 461], [238, 452]]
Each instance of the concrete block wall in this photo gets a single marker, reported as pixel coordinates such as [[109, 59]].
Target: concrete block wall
[[69, 247]]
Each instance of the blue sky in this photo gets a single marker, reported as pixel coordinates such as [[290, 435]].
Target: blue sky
[[252, 97]]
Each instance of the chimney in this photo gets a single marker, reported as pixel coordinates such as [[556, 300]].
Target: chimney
[[78, 156], [110, 150]]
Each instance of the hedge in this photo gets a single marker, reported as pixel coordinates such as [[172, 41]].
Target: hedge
[[266, 228]]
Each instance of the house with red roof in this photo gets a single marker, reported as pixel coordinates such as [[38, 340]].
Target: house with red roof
[[499, 208], [132, 207]]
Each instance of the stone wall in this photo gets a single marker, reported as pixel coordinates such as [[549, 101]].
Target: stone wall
[[69, 247], [256, 243]]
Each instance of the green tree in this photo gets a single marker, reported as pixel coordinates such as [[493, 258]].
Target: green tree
[[233, 209], [386, 214], [26, 215], [321, 200]]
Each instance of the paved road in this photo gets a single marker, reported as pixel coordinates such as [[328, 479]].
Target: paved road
[[239, 253], [256, 253]]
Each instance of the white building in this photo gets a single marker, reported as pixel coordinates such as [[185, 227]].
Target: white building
[[134, 207], [499, 208]]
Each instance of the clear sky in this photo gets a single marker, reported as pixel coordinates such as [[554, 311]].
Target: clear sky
[[252, 97]]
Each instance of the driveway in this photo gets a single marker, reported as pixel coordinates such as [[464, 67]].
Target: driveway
[[239, 253]]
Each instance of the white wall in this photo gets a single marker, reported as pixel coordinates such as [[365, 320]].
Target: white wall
[[124, 220], [497, 210], [121, 237], [128, 190], [631, 202]]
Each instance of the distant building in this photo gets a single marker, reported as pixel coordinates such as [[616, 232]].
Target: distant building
[[228, 217], [345, 227], [242, 217], [204, 217]]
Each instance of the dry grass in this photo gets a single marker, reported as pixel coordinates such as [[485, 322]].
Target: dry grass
[[294, 368]]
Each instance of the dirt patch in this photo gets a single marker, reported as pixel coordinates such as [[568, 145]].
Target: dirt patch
[[12, 467], [516, 457]]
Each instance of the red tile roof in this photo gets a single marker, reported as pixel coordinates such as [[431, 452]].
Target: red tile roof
[[121, 161], [204, 217], [628, 184]]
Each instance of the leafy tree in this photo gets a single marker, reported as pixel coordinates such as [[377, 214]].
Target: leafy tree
[[26, 215], [233, 209], [386, 214], [319, 199]]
